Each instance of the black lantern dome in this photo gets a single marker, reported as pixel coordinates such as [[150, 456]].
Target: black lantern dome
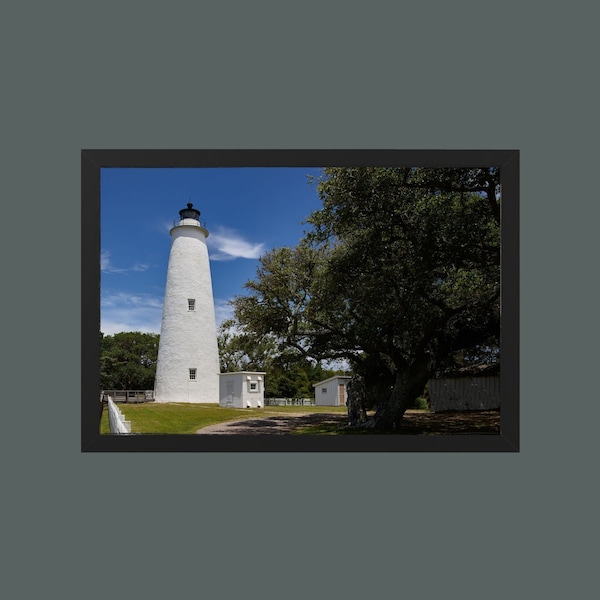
[[189, 212]]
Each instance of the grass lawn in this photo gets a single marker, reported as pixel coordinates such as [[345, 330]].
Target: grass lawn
[[188, 418]]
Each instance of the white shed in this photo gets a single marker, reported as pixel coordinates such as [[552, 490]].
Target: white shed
[[332, 391], [242, 389]]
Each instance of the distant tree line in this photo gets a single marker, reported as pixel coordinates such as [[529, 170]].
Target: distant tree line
[[128, 360]]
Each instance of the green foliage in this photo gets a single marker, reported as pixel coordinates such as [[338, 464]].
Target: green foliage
[[421, 403], [289, 374], [240, 351], [294, 378], [128, 361], [407, 267]]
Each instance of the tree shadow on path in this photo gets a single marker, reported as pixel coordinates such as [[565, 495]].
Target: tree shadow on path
[[413, 423]]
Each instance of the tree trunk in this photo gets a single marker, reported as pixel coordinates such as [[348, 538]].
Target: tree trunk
[[409, 385], [355, 400]]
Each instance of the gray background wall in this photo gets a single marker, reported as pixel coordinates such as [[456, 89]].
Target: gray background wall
[[298, 75]]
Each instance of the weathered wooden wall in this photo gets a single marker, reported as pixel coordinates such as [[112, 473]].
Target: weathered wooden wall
[[464, 393]]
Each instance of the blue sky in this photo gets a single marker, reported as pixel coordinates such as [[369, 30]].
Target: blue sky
[[247, 211]]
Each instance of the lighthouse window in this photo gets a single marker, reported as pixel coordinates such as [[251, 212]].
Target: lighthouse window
[[191, 304], [192, 374]]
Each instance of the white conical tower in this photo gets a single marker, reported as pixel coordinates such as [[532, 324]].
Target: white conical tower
[[187, 369]]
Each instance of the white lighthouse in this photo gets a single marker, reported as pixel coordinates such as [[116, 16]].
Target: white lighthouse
[[187, 368]]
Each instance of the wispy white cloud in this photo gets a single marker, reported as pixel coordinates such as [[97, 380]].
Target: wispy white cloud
[[223, 311], [104, 260], [130, 312], [140, 267], [106, 265], [227, 244]]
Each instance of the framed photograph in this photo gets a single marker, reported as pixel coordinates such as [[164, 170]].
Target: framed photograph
[[300, 300]]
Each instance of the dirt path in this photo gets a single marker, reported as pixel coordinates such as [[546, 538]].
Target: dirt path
[[275, 425], [413, 423]]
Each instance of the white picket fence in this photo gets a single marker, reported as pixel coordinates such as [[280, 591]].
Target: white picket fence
[[116, 420], [289, 401], [129, 396]]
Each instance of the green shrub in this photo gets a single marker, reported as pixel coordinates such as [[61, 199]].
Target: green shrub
[[421, 403]]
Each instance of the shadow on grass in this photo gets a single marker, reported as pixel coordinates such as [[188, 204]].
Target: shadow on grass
[[413, 423]]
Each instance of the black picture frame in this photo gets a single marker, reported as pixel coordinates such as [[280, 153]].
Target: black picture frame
[[93, 160]]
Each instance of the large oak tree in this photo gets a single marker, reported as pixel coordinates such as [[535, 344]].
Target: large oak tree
[[399, 274]]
